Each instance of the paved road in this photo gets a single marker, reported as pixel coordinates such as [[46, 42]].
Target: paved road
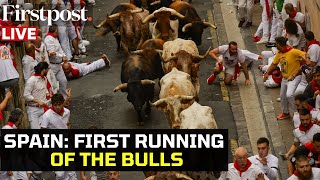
[[95, 103]]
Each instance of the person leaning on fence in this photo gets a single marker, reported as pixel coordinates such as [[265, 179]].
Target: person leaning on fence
[[38, 93]]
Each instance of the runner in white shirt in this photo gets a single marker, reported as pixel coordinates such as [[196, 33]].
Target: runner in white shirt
[[76, 70], [295, 15], [295, 34], [113, 175], [29, 61], [268, 163], [57, 117], [301, 101], [231, 57], [42, 56], [14, 122], [313, 48], [56, 57], [242, 168], [8, 74], [304, 133], [304, 170], [37, 93], [263, 31]]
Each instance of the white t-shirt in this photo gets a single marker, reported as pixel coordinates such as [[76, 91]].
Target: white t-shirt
[[314, 53], [233, 173], [52, 120], [300, 18], [28, 64], [315, 175], [304, 137], [16, 175], [315, 114], [231, 60], [298, 42], [271, 170]]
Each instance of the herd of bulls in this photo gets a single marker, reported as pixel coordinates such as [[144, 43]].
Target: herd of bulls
[[160, 40]]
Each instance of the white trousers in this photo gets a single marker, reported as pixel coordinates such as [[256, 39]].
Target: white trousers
[[276, 24], [66, 175], [270, 82], [98, 64], [287, 91], [266, 55], [245, 9], [250, 55], [35, 116], [301, 86], [61, 78], [318, 103], [264, 27], [65, 41], [53, 81]]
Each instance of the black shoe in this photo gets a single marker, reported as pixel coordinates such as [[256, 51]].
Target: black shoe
[[241, 23], [248, 24], [270, 44]]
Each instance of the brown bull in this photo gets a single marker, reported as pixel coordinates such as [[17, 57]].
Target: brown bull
[[113, 24], [191, 26], [133, 32], [168, 175], [165, 23], [150, 51]]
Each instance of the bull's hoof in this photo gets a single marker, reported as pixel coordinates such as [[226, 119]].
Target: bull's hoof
[[141, 123]]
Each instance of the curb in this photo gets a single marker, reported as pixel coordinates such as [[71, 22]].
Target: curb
[[234, 94]]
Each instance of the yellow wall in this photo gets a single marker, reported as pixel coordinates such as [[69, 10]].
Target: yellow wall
[[314, 12]]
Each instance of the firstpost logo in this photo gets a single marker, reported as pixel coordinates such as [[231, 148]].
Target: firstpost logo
[[30, 33]]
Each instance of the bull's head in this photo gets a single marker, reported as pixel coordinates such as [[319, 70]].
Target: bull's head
[[169, 175], [127, 21], [106, 26], [173, 105], [195, 30], [136, 91], [162, 18], [185, 61]]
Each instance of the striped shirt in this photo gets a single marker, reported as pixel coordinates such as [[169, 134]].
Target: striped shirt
[[36, 88]]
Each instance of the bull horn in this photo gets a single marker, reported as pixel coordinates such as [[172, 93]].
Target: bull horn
[[137, 51], [205, 55], [180, 176], [159, 51], [148, 18], [121, 86], [160, 101], [100, 25], [150, 178], [137, 10], [155, 3], [184, 97], [117, 33], [147, 82], [177, 14], [209, 24], [185, 27], [114, 15]]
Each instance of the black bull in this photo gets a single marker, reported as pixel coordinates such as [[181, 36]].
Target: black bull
[[137, 77]]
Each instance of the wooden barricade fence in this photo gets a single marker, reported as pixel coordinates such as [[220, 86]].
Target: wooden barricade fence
[[312, 8], [18, 101]]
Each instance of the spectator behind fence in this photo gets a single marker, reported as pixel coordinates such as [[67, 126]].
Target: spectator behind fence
[[4, 103]]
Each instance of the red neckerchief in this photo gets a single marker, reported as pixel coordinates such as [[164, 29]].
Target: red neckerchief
[[75, 72], [310, 108], [236, 165], [11, 124], [295, 173], [277, 79], [314, 86], [48, 96], [286, 49], [313, 42], [305, 129], [236, 72], [310, 147], [294, 13], [1, 116], [52, 34], [268, 10], [37, 50], [31, 55], [61, 112]]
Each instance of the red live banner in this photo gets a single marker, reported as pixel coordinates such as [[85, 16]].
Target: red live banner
[[13, 33]]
